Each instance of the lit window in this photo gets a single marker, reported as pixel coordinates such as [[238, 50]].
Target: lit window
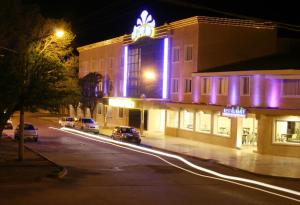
[[222, 125], [186, 120], [205, 86], [291, 87], [245, 85], [287, 131], [175, 54], [187, 85], [221, 86], [172, 118], [188, 53], [203, 122], [174, 85]]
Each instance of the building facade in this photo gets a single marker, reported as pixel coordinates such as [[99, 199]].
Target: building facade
[[196, 78]]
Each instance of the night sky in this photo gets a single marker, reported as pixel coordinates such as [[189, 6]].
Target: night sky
[[94, 21]]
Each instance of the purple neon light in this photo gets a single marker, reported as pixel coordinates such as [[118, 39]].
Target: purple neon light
[[213, 97], [234, 90], [125, 71], [165, 68], [273, 97]]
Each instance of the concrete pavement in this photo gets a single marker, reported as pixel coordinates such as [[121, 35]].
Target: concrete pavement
[[246, 160]]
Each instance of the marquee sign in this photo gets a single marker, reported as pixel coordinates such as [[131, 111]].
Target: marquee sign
[[125, 103], [234, 111], [145, 26]]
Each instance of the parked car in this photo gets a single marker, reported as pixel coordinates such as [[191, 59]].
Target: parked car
[[67, 121], [8, 125], [128, 134], [87, 124], [30, 132]]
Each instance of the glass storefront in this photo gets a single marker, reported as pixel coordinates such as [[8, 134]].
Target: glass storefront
[[222, 125], [287, 131], [203, 122], [186, 120], [249, 135], [172, 118]]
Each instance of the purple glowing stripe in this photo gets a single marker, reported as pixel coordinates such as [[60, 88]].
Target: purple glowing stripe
[[234, 90], [213, 97], [256, 88], [165, 71], [273, 98], [125, 71]]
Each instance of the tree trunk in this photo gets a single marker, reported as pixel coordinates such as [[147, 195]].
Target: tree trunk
[[21, 134]]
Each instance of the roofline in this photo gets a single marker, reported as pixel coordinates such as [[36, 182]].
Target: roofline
[[188, 22], [249, 72]]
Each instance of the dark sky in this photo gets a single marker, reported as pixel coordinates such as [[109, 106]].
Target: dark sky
[[94, 21]]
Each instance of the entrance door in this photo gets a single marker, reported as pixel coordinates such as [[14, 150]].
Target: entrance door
[[249, 133], [134, 118]]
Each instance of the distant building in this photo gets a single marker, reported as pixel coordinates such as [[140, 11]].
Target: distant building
[[215, 80]]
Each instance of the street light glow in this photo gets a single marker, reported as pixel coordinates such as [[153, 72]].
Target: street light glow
[[59, 33], [149, 75]]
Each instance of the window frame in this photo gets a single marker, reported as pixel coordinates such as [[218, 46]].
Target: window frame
[[208, 90], [188, 91], [224, 86], [242, 85], [282, 90], [186, 52], [172, 85], [177, 48]]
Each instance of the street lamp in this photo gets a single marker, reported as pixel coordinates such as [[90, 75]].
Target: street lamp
[[143, 96], [59, 33]]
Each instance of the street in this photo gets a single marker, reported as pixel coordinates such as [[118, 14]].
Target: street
[[101, 173]]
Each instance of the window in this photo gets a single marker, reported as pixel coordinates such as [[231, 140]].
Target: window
[[287, 131], [205, 86], [187, 85], [186, 120], [121, 112], [291, 87], [174, 85], [134, 72], [245, 85], [203, 122], [99, 109], [222, 125], [221, 86], [188, 53], [172, 118], [175, 54]]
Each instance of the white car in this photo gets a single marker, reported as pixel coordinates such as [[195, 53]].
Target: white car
[[87, 124], [67, 121], [30, 132]]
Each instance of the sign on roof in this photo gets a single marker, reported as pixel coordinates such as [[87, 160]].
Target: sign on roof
[[144, 26]]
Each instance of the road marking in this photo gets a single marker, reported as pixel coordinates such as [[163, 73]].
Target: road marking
[[222, 177]]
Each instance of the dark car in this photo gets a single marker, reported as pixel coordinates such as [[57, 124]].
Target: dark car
[[128, 134]]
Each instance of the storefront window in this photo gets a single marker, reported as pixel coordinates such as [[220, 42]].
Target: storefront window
[[203, 122], [249, 134], [223, 125], [172, 118], [187, 120], [287, 131]]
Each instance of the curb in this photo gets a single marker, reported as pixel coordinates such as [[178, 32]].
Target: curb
[[63, 171]]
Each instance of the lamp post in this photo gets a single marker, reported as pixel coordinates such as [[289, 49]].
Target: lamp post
[[143, 96]]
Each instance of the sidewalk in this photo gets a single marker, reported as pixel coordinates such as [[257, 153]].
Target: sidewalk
[[32, 169], [240, 159]]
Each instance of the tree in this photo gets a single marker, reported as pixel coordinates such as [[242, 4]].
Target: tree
[[36, 66], [90, 91]]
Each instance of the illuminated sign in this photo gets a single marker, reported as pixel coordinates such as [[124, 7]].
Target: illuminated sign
[[126, 103], [144, 26], [234, 112]]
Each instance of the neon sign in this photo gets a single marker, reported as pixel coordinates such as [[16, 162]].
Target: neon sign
[[144, 26], [234, 112]]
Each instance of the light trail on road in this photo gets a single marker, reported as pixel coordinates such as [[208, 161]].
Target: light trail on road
[[152, 152]]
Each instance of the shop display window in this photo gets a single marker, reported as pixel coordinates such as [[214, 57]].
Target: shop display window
[[187, 120], [203, 122], [287, 132], [249, 135], [172, 118], [223, 125]]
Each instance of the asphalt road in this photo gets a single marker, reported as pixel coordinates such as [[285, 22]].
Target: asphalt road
[[100, 173]]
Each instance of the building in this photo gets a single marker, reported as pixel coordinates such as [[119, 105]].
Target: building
[[216, 80]]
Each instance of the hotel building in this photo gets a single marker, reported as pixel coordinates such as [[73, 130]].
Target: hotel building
[[221, 81]]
